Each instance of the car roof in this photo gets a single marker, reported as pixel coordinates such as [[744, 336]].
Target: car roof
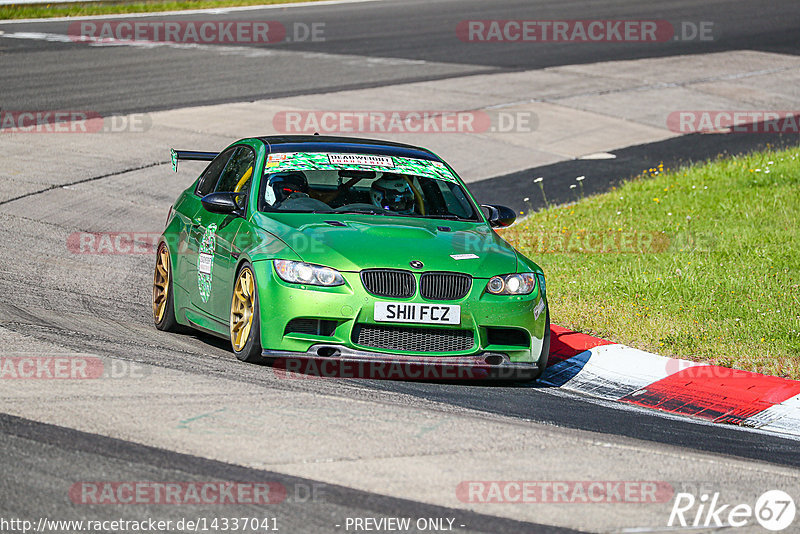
[[324, 143]]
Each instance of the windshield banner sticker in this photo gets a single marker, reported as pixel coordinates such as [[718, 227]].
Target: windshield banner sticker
[[205, 261], [308, 161]]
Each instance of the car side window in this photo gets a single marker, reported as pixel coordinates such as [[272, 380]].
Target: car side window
[[456, 200], [210, 176], [238, 173]]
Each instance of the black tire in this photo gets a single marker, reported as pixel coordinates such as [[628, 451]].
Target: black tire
[[168, 322], [251, 352]]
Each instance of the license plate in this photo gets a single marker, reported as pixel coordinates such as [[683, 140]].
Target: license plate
[[400, 312]]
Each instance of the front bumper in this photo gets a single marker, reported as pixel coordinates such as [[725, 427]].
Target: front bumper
[[349, 308], [332, 361]]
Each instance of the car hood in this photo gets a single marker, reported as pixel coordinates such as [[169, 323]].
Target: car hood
[[365, 241]]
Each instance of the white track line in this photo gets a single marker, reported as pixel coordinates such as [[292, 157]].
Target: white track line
[[215, 11], [246, 51]]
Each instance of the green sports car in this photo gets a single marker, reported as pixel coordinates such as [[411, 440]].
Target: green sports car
[[314, 248]]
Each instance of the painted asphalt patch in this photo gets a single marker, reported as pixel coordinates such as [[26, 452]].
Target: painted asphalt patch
[[601, 368]]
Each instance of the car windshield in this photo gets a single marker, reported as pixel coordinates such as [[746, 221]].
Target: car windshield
[[395, 187]]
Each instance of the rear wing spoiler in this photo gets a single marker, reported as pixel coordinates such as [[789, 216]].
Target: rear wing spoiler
[[176, 155]]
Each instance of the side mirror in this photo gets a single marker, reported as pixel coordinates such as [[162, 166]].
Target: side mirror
[[500, 216], [222, 203]]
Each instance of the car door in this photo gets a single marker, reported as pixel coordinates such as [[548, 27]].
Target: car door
[[191, 207], [217, 251]]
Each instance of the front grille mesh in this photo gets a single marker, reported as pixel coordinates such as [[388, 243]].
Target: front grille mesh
[[444, 286], [413, 339], [388, 283]]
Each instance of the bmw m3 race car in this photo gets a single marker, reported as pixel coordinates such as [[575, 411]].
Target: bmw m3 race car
[[308, 248]]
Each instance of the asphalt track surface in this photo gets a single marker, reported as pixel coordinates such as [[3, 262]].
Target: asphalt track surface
[[101, 305], [80, 456], [406, 41]]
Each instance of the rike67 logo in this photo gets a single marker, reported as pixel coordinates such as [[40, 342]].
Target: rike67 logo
[[774, 510]]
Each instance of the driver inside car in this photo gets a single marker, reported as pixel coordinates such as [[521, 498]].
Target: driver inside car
[[283, 186], [391, 192]]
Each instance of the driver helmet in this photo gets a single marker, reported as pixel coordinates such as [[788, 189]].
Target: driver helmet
[[285, 184], [391, 192]]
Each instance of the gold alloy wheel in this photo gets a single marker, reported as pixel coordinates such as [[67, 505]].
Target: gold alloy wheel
[[161, 284], [242, 309]]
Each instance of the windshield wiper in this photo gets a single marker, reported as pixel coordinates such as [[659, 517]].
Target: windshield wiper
[[363, 211], [449, 217]]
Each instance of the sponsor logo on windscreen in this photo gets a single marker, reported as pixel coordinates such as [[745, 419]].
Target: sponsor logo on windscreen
[[563, 492], [177, 493], [70, 122], [404, 121], [360, 159], [774, 510], [734, 121], [584, 31]]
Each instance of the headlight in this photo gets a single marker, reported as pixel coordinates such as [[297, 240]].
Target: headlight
[[296, 272], [512, 284]]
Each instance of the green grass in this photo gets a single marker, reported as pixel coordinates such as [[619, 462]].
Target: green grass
[[700, 262], [45, 10]]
